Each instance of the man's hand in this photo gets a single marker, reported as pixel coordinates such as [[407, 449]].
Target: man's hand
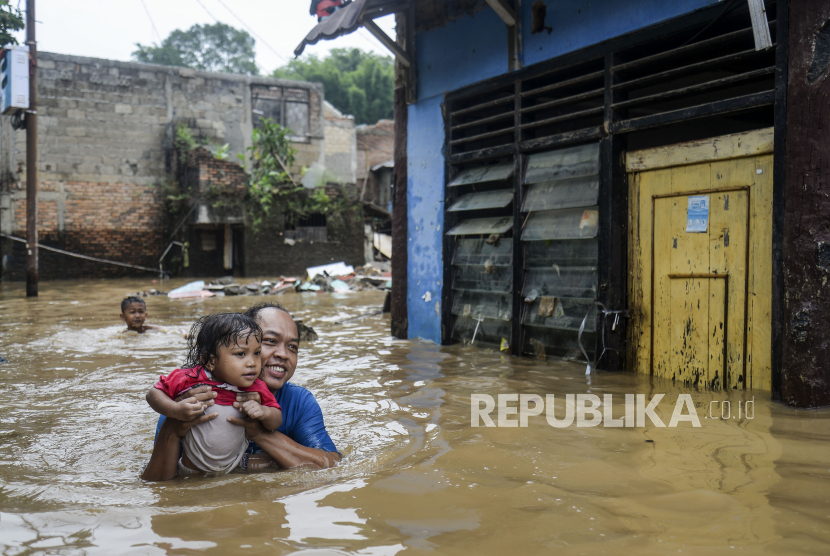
[[180, 428], [253, 427]]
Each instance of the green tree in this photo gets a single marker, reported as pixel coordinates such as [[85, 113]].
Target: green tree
[[11, 20], [216, 47], [355, 82]]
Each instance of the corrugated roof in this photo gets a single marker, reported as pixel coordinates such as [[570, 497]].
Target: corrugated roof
[[346, 20]]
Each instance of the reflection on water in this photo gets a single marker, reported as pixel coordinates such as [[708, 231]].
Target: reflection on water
[[76, 433]]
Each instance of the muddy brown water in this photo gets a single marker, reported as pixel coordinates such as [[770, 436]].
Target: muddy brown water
[[75, 433]]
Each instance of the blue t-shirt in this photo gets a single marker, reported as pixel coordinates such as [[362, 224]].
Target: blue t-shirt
[[302, 419]]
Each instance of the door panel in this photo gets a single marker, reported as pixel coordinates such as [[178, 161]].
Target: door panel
[[703, 297]]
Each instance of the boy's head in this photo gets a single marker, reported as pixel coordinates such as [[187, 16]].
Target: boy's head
[[134, 313]]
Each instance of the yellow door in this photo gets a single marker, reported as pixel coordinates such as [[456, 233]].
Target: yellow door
[[700, 301]]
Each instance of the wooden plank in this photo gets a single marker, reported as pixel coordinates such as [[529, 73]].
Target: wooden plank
[[504, 11], [719, 40], [693, 89], [636, 359], [668, 75], [721, 213], [562, 139], [481, 136], [595, 75], [748, 143], [564, 101], [760, 287], [726, 174], [400, 54], [760, 26], [481, 154], [805, 380], [720, 108], [565, 117], [489, 104], [689, 253], [490, 119], [776, 339], [659, 266]]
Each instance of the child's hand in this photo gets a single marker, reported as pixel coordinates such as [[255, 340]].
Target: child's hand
[[188, 409], [253, 409]]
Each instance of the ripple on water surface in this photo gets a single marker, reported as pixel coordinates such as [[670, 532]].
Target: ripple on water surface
[[76, 433]]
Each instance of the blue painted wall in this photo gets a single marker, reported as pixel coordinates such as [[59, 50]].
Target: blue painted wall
[[425, 218], [464, 51], [576, 24], [469, 50]]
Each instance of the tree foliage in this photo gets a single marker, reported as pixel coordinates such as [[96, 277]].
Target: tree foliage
[[217, 47], [11, 20], [355, 82], [270, 186]]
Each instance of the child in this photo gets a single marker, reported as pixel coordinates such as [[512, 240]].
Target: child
[[224, 353], [134, 312]]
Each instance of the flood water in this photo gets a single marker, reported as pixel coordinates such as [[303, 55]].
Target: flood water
[[416, 477]]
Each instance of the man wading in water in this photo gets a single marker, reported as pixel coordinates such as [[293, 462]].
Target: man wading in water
[[301, 440]]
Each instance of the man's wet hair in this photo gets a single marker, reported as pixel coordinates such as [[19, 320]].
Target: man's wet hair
[[254, 311], [132, 299], [212, 331]]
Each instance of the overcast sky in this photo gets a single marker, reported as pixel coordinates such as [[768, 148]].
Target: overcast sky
[[110, 29]]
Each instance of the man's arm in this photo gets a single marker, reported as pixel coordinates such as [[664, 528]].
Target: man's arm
[[283, 450], [163, 463]]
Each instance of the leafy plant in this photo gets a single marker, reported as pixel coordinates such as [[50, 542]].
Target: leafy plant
[[184, 141], [222, 152], [11, 20], [271, 186]]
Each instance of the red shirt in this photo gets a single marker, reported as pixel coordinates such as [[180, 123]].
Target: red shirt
[[181, 380]]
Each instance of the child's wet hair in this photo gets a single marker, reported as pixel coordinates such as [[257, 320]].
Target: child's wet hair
[[212, 331], [132, 299]]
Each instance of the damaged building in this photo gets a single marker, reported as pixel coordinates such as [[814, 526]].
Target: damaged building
[[632, 184], [107, 162]]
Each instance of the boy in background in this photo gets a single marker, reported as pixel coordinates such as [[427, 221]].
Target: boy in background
[[134, 313]]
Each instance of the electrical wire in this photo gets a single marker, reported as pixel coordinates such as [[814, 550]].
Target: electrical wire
[[152, 23], [217, 21], [208, 11], [248, 27], [717, 17]]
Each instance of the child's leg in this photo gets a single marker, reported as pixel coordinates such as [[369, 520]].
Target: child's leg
[[186, 467]]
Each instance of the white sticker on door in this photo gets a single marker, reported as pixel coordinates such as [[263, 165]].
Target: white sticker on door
[[697, 215]]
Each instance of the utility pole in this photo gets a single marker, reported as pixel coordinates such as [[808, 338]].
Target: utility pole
[[31, 156]]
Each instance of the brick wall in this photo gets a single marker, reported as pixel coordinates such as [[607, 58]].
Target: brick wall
[[114, 221], [267, 254], [375, 144], [341, 147], [265, 251], [105, 136], [109, 121]]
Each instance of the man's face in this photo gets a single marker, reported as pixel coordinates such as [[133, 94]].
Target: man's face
[[134, 315], [280, 344]]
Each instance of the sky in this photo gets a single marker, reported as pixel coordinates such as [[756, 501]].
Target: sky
[[111, 29]]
